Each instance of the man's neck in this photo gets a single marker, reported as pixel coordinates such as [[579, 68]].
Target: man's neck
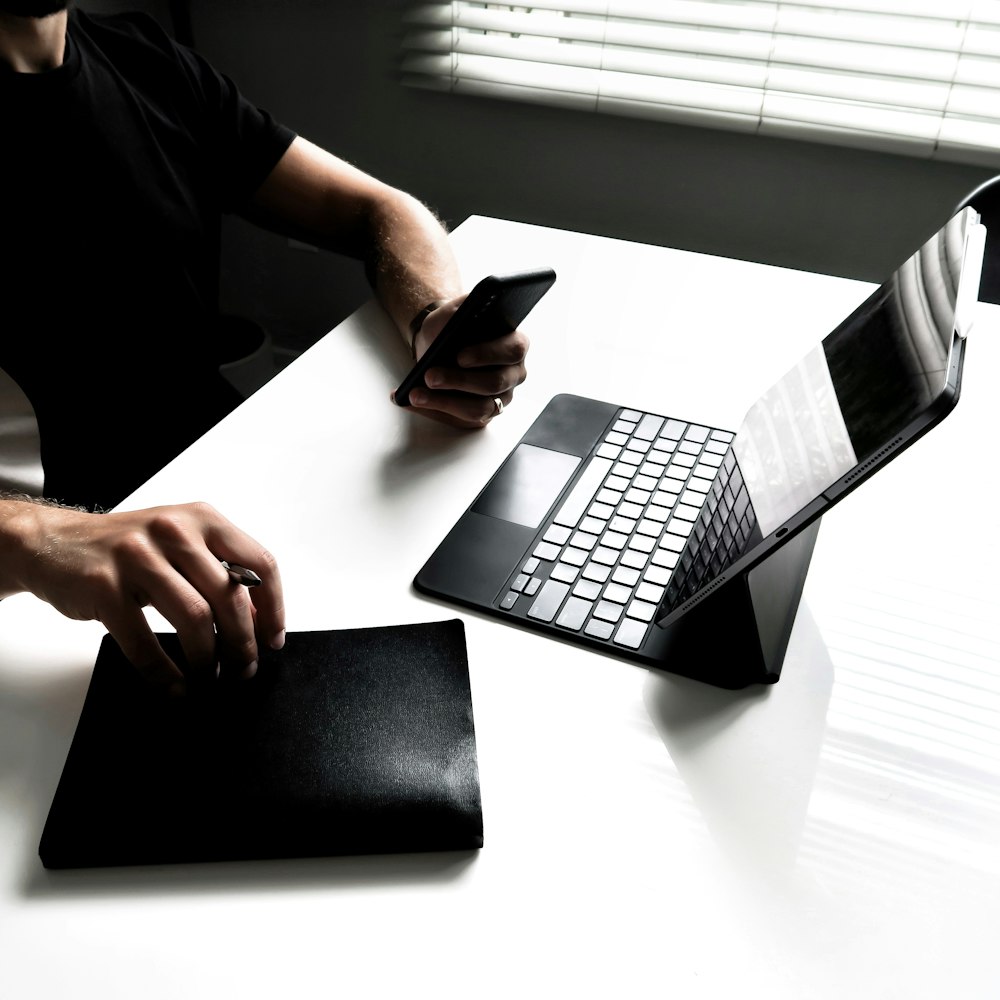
[[33, 44]]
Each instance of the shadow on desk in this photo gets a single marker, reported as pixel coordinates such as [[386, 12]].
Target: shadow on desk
[[249, 876], [749, 758], [426, 446]]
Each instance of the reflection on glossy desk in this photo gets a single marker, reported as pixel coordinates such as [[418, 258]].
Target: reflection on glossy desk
[[837, 835]]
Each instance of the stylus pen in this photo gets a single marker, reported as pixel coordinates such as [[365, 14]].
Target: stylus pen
[[240, 574]]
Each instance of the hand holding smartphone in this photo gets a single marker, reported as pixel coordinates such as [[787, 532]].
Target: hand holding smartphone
[[496, 306]]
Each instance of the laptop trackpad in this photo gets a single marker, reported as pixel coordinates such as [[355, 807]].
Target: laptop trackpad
[[526, 485]]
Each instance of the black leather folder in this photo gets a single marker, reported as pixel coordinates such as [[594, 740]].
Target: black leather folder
[[357, 741]]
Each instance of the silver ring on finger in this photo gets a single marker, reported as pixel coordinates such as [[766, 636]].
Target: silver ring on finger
[[497, 406]]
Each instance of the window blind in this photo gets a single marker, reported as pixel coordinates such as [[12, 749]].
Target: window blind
[[920, 77]]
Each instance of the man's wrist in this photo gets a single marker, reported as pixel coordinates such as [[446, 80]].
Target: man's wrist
[[417, 323]]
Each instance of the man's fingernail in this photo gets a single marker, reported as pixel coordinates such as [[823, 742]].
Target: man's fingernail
[[279, 640], [249, 670], [418, 397]]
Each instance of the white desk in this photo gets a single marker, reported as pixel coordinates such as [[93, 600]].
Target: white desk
[[837, 835]]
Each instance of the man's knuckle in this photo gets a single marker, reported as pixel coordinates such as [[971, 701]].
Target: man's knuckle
[[134, 546], [198, 611]]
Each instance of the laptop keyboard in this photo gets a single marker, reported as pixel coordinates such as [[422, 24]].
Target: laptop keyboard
[[658, 509]]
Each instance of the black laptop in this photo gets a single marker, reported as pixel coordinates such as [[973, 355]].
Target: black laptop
[[685, 547]]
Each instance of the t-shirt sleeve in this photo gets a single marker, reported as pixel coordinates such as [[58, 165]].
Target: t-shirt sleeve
[[239, 143], [244, 141]]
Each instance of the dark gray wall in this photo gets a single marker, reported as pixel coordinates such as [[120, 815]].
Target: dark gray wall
[[331, 71]]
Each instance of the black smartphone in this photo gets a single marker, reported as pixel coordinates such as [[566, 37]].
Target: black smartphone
[[497, 305]]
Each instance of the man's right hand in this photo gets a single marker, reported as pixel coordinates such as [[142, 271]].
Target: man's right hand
[[108, 567]]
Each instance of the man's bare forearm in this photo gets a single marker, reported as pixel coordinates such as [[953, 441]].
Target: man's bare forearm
[[315, 195], [410, 264], [21, 532]]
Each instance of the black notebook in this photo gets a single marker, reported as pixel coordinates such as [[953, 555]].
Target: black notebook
[[357, 741]]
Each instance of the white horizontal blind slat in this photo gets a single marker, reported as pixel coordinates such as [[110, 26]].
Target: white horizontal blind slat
[[921, 77]]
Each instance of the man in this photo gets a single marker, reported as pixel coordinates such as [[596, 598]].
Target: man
[[120, 153]]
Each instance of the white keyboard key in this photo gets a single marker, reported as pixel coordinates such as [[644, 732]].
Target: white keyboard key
[[641, 543], [614, 540], [546, 550], [611, 451], [574, 614], [595, 571], [631, 633], [589, 590], [563, 572], [617, 593], [648, 592], [625, 576], [607, 611], [635, 559], [642, 610], [680, 527], [674, 543], [658, 575], [599, 629], [649, 427], [623, 524], [686, 512], [582, 494], [592, 525], [664, 557], [621, 470], [548, 600], [556, 534]]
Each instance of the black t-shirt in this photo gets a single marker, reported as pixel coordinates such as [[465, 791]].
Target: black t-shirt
[[115, 169]]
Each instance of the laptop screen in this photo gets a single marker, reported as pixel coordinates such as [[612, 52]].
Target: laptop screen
[[859, 394]]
